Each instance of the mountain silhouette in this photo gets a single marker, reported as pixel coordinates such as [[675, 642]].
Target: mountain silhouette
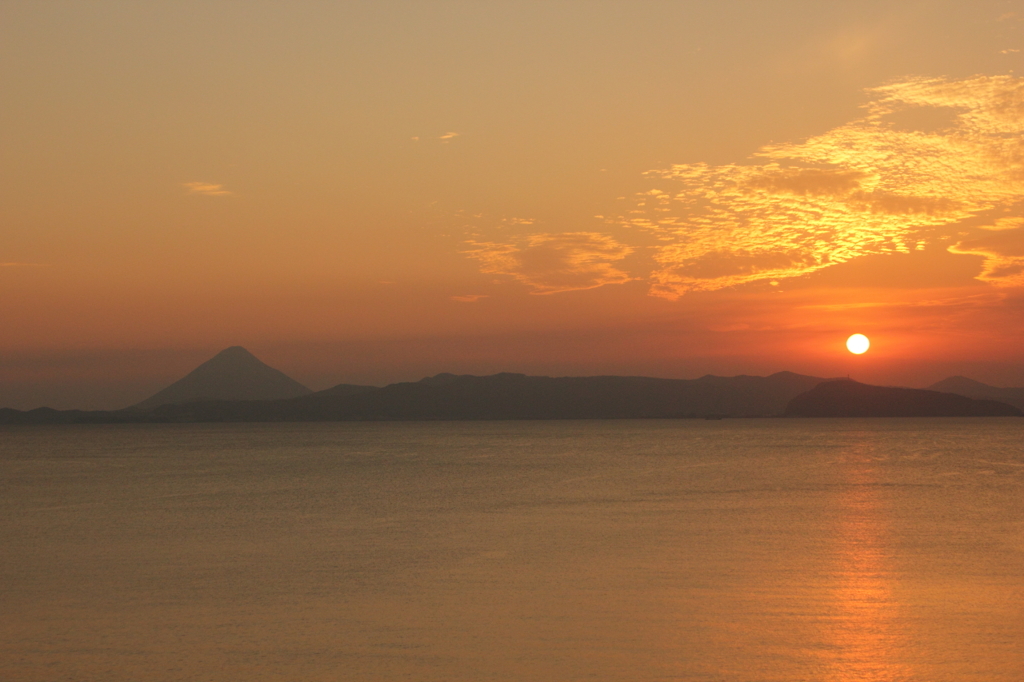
[[203, 396], [848, 398], [232, 374], [227, 389], [976, 389], [515, 396], [518, 396]]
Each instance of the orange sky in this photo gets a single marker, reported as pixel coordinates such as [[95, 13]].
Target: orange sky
[[369, 192]]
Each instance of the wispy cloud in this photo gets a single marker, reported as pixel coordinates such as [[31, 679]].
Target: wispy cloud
[[552, 263], [875, 185], [469, 298], [1003, 251], [447, 137], [972, 301], [1004, 223], [207, 189], [24, 265]]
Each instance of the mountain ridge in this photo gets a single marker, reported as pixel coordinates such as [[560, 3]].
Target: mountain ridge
[[466, 397], [234, 385], [849, 398], [975, 389]]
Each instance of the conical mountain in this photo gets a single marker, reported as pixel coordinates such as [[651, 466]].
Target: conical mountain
[[232, 374], [961, 385]]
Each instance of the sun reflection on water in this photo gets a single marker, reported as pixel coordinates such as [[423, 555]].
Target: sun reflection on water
[[864, 631]]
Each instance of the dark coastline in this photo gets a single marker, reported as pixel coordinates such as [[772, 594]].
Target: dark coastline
[[448, 397]]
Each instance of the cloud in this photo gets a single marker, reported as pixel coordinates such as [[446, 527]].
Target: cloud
[[553, 263], [447, 137], [946, 304], [1009, 51], [1003, 250], [469, 298], [809, 182], [206, 189], [1005, 223], [874, 185], [932, 161], [23, 265]]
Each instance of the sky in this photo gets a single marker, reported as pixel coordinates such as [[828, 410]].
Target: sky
[[370, 192]]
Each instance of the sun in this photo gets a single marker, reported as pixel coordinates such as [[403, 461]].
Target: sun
[[858, 344]]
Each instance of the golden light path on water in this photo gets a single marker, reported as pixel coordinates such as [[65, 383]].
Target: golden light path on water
[[864, 630]]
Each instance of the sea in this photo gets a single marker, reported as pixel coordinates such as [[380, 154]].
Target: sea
[[740, 550]]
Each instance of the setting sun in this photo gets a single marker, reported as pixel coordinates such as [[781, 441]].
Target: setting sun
[[858, 344]]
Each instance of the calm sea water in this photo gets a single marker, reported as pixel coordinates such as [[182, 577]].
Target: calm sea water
[[738, 550]]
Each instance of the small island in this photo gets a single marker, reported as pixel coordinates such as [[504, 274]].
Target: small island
[[848, 398]]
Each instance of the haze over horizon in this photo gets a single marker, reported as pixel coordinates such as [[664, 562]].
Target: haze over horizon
[[376, 192]]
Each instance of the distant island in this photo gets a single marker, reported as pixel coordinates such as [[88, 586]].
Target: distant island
[[235, 386], [847, 398], [976, 389]]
